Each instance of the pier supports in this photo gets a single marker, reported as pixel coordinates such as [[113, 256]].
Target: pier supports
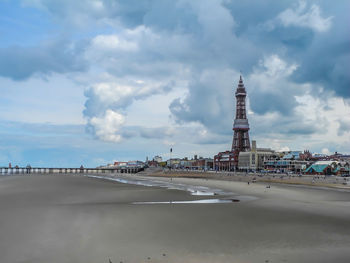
[[43, 170]]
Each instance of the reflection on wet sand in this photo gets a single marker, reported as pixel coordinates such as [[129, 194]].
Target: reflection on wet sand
[[192, 189], [203, 201], [227, 197]]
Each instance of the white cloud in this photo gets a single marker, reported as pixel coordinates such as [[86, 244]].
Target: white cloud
[[326, 151], [284, 149], [112, 92], [270, 80], [106, 100], [168, 143], [276, 67], [107, 128], [141, 52], [113, 42], [284, 117], [327, 114], [303, 17], [112, 95]]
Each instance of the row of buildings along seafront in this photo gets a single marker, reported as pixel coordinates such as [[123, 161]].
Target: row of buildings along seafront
[[265, 160], [243, 157], [195, 163]]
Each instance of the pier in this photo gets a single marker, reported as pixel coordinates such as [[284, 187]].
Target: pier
[[46, 170]]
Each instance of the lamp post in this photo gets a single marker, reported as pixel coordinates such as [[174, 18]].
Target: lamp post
[[171, 151]]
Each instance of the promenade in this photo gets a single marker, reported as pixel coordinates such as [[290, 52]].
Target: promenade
[[281, 178]]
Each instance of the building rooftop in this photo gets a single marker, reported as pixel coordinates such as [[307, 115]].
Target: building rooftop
[[325, 162], [318, 168]]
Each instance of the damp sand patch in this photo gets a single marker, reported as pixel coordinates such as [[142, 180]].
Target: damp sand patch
[[227, 197], [226, 200]]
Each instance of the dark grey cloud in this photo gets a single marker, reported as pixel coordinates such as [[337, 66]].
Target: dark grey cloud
[[272, 101], [251, 13], [281, 127], [323, 57], [60, 56], [251, 28], [210, 101], [328, 66]]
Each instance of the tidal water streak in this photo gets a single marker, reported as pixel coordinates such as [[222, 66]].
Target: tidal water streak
[[203, 201], [226, 197], [192, 189]]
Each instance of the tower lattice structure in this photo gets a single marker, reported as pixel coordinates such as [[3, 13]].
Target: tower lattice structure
[[240, 141]]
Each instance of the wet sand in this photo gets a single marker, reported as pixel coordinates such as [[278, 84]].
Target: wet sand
[[80, 219]]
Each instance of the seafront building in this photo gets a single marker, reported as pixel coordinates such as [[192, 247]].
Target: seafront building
[[225, 161], [157, 159], [283, 165], [202, 164], [328, 168], [121, 165], [254, 160], [191, 164]]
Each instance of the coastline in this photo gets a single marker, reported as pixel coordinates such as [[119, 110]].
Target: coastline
[[315, 199], [309, 180]]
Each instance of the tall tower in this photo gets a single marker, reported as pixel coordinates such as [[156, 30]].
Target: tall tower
[[240, 141]]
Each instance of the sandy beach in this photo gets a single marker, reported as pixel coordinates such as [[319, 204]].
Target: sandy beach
[[80, 219]]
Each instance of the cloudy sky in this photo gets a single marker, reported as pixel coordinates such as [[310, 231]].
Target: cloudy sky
[[92, 81]]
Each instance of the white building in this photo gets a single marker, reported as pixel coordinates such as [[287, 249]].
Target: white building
[[254, 159], [157, 159]]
